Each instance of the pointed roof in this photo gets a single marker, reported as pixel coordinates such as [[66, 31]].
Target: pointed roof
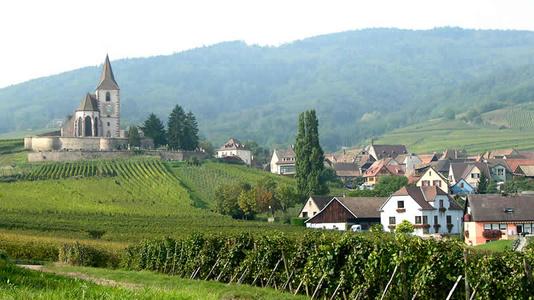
[[89, 103], [107, 80]]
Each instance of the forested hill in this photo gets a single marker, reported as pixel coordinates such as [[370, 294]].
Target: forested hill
[[362, 83]]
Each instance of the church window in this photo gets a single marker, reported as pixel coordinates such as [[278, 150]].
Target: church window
[[108, 97], [108, 134], [88, 127], [80, 127], [109, 124]]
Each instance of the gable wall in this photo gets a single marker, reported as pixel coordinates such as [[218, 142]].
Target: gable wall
[[333, 213]]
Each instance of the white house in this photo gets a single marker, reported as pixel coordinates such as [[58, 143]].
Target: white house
[[433, 178], [283, 161], [234, 148], [429, 208]]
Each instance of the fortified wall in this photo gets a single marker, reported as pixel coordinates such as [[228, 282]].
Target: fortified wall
[[57, 143]]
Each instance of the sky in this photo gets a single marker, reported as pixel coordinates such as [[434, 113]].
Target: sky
[[40, 38]]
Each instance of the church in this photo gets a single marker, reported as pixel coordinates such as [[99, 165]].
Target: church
[[99, 112], [94, 125]]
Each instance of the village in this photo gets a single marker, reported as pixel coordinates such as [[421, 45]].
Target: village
[[448, 193]]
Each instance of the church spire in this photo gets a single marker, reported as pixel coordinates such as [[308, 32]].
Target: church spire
[[107, 80]]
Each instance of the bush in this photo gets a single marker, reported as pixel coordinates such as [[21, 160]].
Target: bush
[[83, 255], [298, 222], [404, 227], [96, 234]]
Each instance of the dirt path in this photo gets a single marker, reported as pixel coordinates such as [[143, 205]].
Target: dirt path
[[82, 276]]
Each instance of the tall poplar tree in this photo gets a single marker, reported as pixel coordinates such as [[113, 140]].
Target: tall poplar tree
[[309, 157], [175, 128], [154, 129]]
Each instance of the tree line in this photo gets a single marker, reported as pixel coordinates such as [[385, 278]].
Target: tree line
[[181, 132]]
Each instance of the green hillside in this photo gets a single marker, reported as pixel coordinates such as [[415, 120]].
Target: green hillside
[[518, 116], [126, 199], [438, 134], [363, 83]]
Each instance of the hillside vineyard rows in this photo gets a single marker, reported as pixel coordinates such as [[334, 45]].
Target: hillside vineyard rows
[[127, 199]]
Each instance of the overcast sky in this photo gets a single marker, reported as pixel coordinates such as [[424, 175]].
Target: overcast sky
[[46, 37]]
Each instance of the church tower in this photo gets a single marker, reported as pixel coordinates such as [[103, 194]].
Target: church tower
[[108, 96]]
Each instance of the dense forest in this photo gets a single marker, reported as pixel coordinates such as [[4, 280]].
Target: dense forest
[[361, 83]]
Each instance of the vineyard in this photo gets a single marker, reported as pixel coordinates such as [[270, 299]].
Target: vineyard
[[341, 266], [126, 199], [11, 152], [204, 179]]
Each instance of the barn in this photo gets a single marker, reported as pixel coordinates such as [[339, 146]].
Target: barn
[[343, 212]]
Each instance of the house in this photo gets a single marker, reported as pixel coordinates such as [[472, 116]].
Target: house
[[429, 208], [433, 178], [342, 212], [491, 217], [346, 171], [502, 154], [283, 161], [410, 162], [235, 149], [313, 205], [462, 188], [525, 171], [469, 171], [427, 158], [383, 167], [513, 164], [379, 152], [499, 170], [453, 154]]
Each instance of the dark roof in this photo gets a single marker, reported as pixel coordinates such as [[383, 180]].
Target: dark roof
[[287, 153], [383, 151], [363, 207], [346, 169], [89, 103], [493, 207], [321, 201], [233, 144], [441, 166], [454, 154], [107, 79], [461, 170]]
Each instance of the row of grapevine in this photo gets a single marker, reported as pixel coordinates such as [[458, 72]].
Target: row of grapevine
[[520, 118], [333, 266], [68, 170]]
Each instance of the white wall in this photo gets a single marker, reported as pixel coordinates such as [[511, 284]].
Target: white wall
[[331, 226]]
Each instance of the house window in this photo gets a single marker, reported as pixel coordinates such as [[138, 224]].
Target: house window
[[461, 185], [304, 214], [425, 219], [392, 221], [417, 219], [502, 226], [441, 203], [436, 183], [429, 173], [425, 183], [500, 172], [436, 220], [487, 226], [309, 203], [400, 204], [449, 219], [109, 124], [475, 175]]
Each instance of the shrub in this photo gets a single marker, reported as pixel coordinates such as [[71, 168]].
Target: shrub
[[83, 255], [297, 221], [492, 233], [404, 227], [96, 234]]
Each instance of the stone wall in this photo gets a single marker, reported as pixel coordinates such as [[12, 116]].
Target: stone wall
[[43, 156], [56, 143]]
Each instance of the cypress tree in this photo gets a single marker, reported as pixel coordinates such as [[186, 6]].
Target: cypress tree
[[309, 157], [154, 129], [175, 128]]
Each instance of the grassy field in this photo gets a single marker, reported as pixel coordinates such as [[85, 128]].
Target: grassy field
[[17, 283], [11, 153], [437, 135], [496, 246]]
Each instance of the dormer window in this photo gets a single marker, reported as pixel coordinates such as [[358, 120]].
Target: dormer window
[[108, 97], [400, 204], [509, 210]]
